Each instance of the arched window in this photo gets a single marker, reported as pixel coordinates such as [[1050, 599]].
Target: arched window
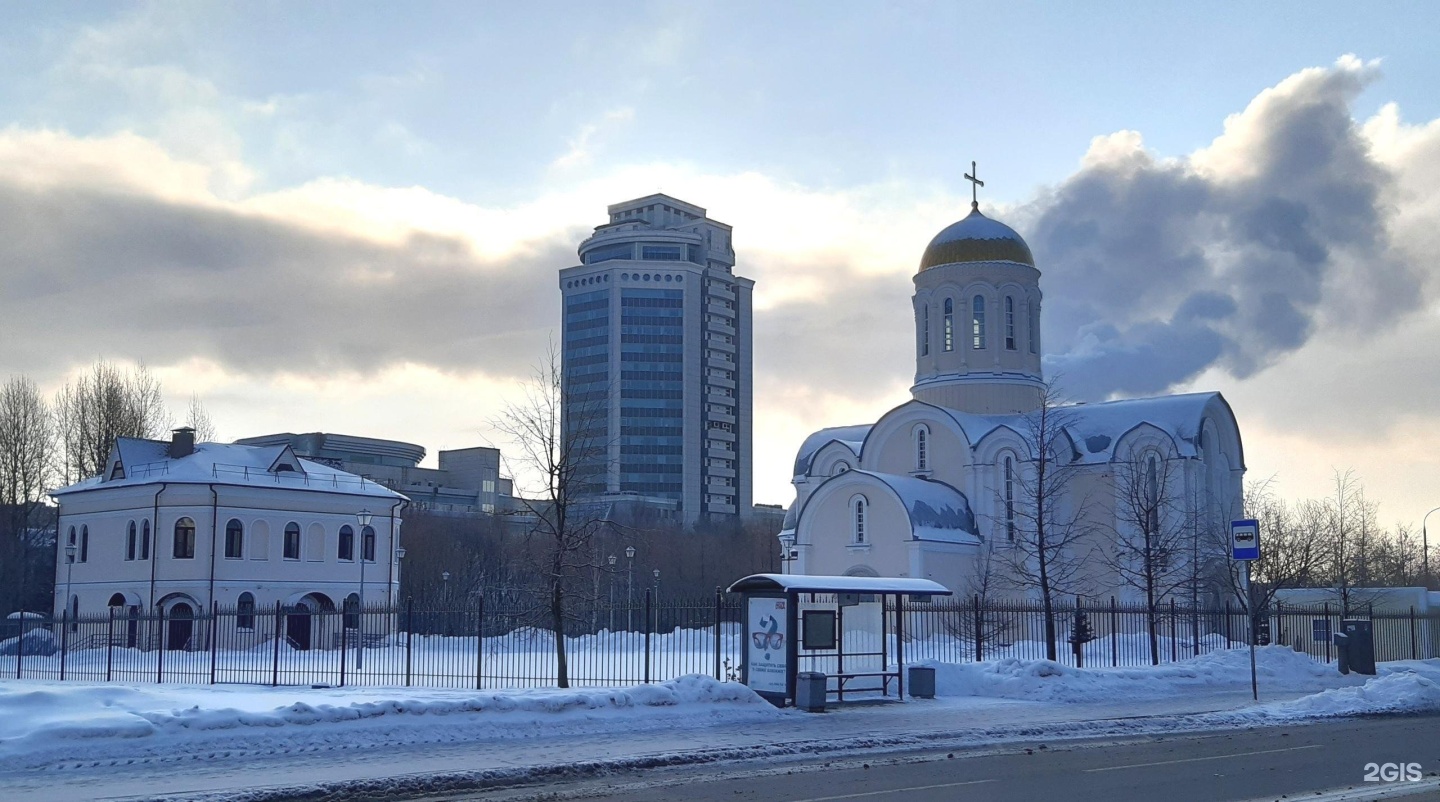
[[1009, 323], [130, 541], [367, 544], [84, 543], [925, 330], [977, 322], [1009, 499], [347, 543], [184, 539], [245, 611], [234, 540], [1034, 328], [948, 326], [292, 541], [70, 558], [145, 539], [352, 611], [858, 532], [922, 448]]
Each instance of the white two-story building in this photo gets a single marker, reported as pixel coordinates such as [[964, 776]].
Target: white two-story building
[[179, 528]]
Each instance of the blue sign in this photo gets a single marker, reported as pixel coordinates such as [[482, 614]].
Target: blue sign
[[1245, 539]]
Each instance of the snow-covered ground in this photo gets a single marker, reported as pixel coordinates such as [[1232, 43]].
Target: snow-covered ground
[[67, 740]]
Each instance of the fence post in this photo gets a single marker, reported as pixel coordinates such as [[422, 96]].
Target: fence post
[[479, 641], [1329, 631], [160, 647], [20, 645], [64, 637], [409, 631], [1114, 633], [1414, 646], [718, 678], [275, 669], [1174, 636], [979, 631], [214, 637], [110, 642], [647, 635]]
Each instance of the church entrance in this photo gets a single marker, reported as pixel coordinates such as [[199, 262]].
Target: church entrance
[[297, 628], [180, 627]]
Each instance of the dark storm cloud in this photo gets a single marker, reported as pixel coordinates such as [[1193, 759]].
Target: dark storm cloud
[[1156, 270], [88, 273]]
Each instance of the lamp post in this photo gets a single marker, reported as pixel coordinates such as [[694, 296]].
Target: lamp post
[[787, 542], [69, 569], [363, 517], [629, 588], [445, 596], [611, 560], [1425, 548], [657, 584]]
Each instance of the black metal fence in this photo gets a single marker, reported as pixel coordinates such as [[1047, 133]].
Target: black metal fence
[[512, 646]]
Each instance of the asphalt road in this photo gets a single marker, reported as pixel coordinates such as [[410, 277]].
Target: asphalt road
[[1288, 762]]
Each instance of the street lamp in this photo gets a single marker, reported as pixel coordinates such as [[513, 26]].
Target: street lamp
[[611, 560], [657, 584], [629, 588], [445, 595], [363, 517], [69, 568], [787, 543], [1425, 548]]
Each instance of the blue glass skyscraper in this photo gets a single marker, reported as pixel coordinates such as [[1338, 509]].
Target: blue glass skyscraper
[[656, 360]]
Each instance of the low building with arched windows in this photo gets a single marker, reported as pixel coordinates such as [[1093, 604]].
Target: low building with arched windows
[[951, 485], [179, 527]]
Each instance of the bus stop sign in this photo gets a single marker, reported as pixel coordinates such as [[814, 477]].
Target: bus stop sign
[[1245, 539]]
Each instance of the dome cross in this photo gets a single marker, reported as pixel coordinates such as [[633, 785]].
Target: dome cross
[[975, 185]]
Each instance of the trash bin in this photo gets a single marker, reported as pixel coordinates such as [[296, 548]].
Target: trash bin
[[1342, 651], [810, 691], [1362, 645], [921, 682]]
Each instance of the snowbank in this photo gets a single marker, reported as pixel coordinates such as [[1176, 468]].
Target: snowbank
[[1048, 681], [36, 715]]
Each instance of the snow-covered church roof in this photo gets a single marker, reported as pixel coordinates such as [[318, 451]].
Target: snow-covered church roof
[[937, 510], [135, 462], [1095, 429], [851, 437]]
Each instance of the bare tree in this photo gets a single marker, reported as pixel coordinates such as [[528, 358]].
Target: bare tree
[[101, 406], [1291, 549], [198, 418], [1349, 543], [562, 450], [983, 623], [26, 463], [1154, 532], [1052, 533]]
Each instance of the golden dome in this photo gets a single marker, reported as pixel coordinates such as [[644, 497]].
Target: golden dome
[[977, 238]]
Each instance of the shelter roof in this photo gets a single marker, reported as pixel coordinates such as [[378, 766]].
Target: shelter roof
[[804, 583]]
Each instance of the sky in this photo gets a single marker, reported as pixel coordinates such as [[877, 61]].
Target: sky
[[349, 217]]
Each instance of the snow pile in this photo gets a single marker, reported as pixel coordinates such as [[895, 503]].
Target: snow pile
[[1048, 681], [1408, 687], [35, 715]]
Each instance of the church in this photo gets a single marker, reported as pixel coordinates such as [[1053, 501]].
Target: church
[[959, 482]]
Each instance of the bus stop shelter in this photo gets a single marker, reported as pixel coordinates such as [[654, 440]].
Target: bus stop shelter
[[793, 616]]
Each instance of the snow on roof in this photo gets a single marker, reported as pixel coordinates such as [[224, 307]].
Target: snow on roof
[[1095, 429], [937, 510], [803, 583], [850, 436], [144, 462]]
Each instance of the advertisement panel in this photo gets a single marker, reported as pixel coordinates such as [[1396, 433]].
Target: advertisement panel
[[765, 645]]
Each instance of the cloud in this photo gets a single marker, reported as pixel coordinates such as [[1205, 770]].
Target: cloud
[[1156, 269]]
